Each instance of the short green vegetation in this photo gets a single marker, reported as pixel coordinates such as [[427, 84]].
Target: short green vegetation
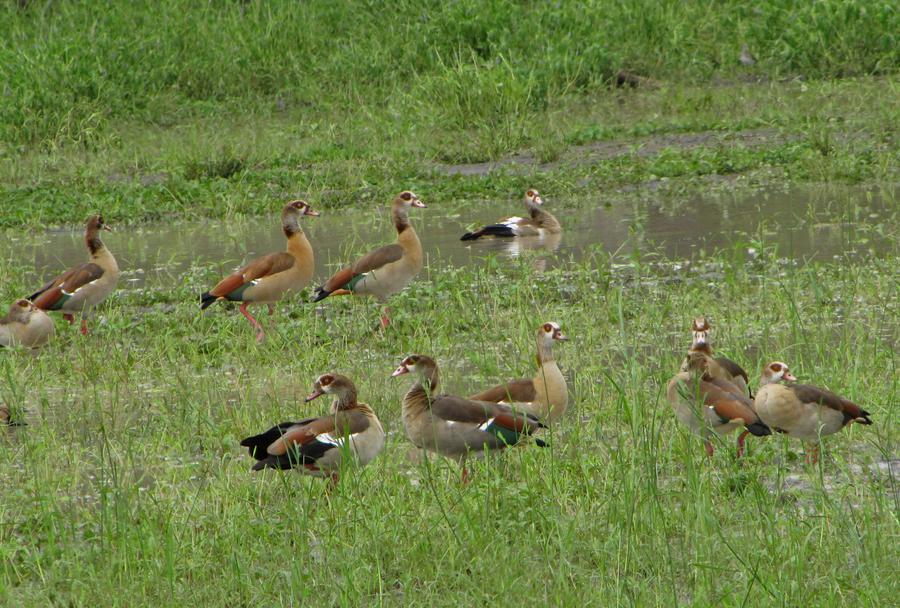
[[128, 482], [127, 486], [151, 110]]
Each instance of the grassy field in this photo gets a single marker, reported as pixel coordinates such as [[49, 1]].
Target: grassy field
[[128, 482], [127, 486], [122, 110]]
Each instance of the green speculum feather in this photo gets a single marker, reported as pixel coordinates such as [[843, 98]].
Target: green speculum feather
[[509, 436], [63, 298], [351, 284], [238, 294]]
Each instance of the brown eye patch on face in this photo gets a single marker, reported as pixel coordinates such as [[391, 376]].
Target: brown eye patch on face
[[547, 327], [406, 196], [775, 367], [530, 193], [325, 380]]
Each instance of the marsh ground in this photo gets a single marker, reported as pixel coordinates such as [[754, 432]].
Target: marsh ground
[[127, 487]]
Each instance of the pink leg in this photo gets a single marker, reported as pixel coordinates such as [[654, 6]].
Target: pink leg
[[271, 309], [709, 448], [385, 320], [465, 476], [84, 330], [812, 455], [69, 318], [260, 334], [741, 438]]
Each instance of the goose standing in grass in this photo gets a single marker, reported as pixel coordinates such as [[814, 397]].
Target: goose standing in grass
[[85, 286], [25, 325], [385, 271], [718, 367], [538, 223], [318, 446], [456, 427], [268, 279], [804, 412], [708, 405], [544, 396]]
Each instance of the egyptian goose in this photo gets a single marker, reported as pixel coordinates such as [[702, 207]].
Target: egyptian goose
[[803, 411], [386, 270], [25, 325], [546, 395], [718, 367], [85, 286], [317, 446], [707, 405], [456, 427], [269, 278], [538, 222]]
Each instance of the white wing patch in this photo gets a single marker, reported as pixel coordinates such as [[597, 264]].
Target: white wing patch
[[80, 288], [328, 438], [485, 425], [336, 441]]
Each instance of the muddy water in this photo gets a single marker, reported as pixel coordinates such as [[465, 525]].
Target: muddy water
[[803, 222]]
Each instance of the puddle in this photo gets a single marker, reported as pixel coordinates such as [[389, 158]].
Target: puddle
[[809, 222]]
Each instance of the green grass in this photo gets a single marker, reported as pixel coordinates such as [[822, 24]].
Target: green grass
[[181, 109], [210, 167], [128, 485], [71, 67]]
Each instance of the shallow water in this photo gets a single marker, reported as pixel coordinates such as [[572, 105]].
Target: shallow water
[[808, 222]]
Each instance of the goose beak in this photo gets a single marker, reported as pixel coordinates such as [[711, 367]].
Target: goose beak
[[106, 227], [789, 377], [560, 336], [400, 371], [417, 203], [311, 213], [314, 395]]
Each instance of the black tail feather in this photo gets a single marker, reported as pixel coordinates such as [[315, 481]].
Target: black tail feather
[[541, 443], [497, 230], [258, 444], [863, 418], [759, 429], [321, 294], [492, 230], [206, 300]]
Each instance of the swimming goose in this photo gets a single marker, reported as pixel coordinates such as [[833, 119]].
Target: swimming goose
[[707, 405], [544, 396], [802, 411], [25, 325], [718, 367], [538, 222], [318, 446], [456, 427], [386, 270], [267, 279], [85, 286]]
